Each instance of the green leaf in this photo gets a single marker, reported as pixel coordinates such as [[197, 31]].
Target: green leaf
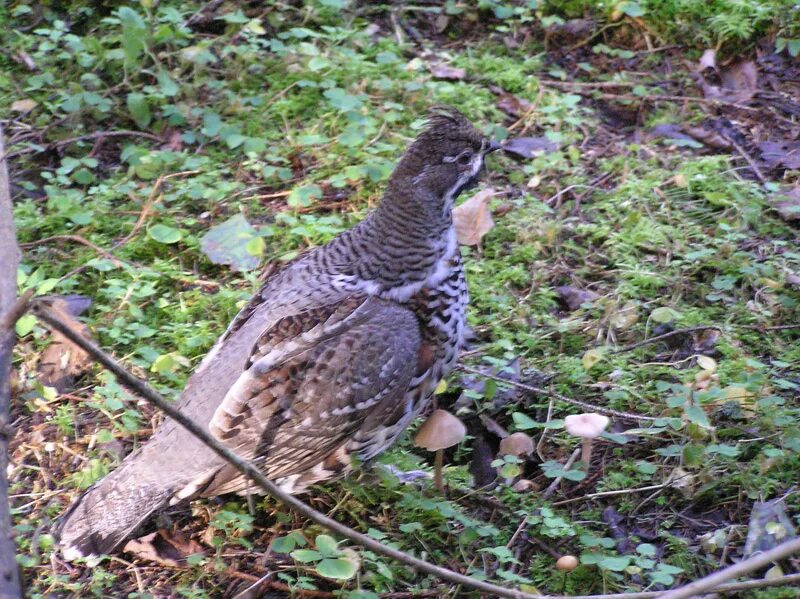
[[301, 197], [615, 564], [231, 243], [139, 109], [697, 415], [326, 545], [339, 568], [632, 9], [664, 315], [134, 33], [284, 544], [167, 84], [25, 325], [306, 556], [164, 234], [693, 455], [523, 422], [340, 99]]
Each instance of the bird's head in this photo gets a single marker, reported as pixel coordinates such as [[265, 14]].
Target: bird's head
[[445, 159]]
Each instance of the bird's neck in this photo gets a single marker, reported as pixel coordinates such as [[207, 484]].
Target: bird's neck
[[404, 245]]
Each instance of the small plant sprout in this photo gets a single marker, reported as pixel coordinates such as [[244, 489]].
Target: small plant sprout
[[440, 431], [587, 427]]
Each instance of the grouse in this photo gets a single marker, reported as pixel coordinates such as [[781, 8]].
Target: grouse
[[326, 365]]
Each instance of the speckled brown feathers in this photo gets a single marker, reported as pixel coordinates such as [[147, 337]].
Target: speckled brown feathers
[[330, 361]]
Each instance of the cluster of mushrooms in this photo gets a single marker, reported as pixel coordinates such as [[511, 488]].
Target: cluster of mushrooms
[[443, 430]]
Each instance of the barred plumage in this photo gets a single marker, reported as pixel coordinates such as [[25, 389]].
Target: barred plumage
[[332, 358]]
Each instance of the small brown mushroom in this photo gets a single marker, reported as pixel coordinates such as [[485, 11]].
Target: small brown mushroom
[[567, 563], [516, 444], [587, 427], [440, 431]]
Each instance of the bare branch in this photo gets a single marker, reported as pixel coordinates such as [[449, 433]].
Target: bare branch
[[707, 583], [10, 587], [547, 393]]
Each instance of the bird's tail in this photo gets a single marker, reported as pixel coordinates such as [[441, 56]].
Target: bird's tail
[[109, 511]]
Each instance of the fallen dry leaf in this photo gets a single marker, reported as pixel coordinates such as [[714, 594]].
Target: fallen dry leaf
[[513, 105], [25, 105], [443, 71], [793, 279], [709, 137], [574, 297], [62, 361], [780, 154], [473, 219], [529, 147], [787, 204], [164, 547], [739, 83]]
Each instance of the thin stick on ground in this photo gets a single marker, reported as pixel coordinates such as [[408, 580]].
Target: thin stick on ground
[[658, 338], [559, 396], [705, 584], [10, 586]]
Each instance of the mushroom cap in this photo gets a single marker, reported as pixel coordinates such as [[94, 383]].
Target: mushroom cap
[[517, 444], [567, 563], [588, 426], [524, 485], [439, 431]]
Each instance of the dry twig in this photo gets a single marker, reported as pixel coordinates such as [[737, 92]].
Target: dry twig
[[558, 396]]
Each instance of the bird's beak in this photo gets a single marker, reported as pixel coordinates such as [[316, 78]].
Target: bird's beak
[[494, 145]]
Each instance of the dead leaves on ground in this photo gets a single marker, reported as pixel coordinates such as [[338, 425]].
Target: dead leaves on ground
[[62, 361], [473, 219], [738, 82], [170, 548]]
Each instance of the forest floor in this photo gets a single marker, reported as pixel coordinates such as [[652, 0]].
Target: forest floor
[[643, 257]]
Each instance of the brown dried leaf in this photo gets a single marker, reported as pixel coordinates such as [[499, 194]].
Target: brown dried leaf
[[164, 547], [443, 71], [513, 105], [709, 137], [574, 297], [787, 204], [63, 361], [473, 219], [25, 105], [741, 78], [529, 147], [739, 83], [780, 154]]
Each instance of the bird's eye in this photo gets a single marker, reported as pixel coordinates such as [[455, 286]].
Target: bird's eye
[[465, 158]]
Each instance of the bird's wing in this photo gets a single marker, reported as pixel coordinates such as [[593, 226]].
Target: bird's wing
[[312, 380]]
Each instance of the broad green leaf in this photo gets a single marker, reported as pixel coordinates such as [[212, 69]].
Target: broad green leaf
[[326, 545], [306, 555], [164, 234], [230, 243], [139, 109], [697, 415], [339, 568]]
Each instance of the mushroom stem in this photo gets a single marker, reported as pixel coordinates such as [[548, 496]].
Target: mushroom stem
[[438, 462], [586, 451]]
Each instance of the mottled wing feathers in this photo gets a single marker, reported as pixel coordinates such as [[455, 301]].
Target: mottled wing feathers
[[313, 379]]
